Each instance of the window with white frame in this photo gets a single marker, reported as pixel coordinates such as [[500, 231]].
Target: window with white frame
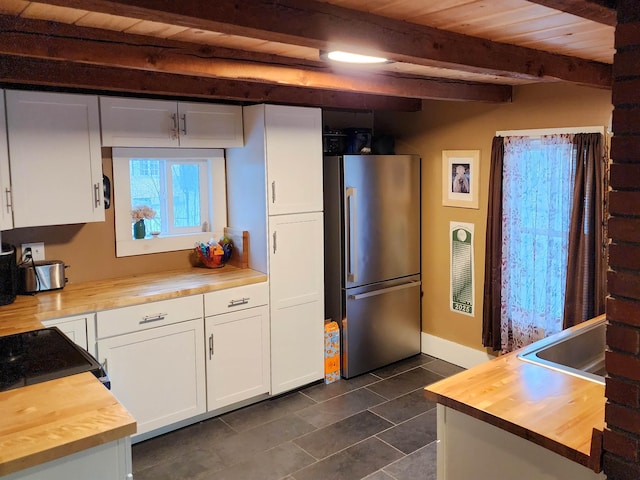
[[181, 192]]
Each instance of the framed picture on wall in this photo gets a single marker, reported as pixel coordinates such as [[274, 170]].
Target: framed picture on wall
[[460, 172]]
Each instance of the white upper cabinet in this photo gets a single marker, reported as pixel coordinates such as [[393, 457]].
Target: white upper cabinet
[[55, 158], [294, 159], [6, 218], [203, 125], [129, 122]]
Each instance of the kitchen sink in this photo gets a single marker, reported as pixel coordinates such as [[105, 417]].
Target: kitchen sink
[[577, 351]]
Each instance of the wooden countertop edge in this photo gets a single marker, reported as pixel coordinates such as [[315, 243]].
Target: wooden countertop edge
[[79, 414], [63, 450], [132, 300], [537, 438], [27, 312]]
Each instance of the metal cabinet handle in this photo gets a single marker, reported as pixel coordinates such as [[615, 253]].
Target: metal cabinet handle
[[273, 192], [153, 318], [104, 365], [385, 290], [274, 241], [96, 194], [7, 193], [242, 301], [210, 346], [174, 130], [183, 117], [352, 234]]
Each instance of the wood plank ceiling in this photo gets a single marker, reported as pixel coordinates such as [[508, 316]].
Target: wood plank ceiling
[[268, 50]]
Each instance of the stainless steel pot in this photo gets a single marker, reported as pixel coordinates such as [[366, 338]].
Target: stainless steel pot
[[41, 276]]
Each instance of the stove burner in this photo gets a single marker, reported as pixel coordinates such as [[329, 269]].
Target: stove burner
[[40, 355]]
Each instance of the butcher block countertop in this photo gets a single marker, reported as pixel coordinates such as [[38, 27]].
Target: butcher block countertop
[[49, 420], [552, 409], [28, 311]]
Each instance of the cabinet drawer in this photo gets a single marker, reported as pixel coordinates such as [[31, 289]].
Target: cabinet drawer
[[149, 315], [233, 299]]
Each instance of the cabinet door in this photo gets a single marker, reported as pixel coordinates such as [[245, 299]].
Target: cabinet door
[[158, 374], [130, 122], [296, 276], [73, 327], [108, 461], [294, 159], [237, 357], [205, 125], [6, 217], [55, 158]]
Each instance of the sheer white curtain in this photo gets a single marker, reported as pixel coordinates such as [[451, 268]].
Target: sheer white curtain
[[538, 178]]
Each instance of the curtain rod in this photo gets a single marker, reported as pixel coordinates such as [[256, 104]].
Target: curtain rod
[[549, 131]]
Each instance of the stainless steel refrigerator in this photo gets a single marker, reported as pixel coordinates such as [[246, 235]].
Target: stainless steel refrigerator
[[372, 257]]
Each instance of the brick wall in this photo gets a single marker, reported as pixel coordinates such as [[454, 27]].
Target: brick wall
[[621, 440]]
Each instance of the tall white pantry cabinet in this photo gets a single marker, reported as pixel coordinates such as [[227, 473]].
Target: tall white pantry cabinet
[[274, 188]]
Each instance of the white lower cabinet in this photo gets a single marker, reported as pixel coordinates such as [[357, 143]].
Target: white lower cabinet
[[297, 300], [156, 372], [238, 356], [110, 461], [73, 327], [471, 448], [237, 342]]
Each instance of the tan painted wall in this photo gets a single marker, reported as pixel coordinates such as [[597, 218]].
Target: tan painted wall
[[466, 126], [89, 249]]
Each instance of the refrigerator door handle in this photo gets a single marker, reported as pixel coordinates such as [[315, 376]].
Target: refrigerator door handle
[[352, 234], [385, 290]]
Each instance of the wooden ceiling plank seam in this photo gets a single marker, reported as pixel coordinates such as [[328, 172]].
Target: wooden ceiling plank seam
[[127, 51], [589, 9], [470, 16], [54, 13], [320, 25], [525, 27], [511, 20], [13, 7]]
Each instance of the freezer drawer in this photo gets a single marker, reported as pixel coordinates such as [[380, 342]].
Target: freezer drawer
[[381, 325]]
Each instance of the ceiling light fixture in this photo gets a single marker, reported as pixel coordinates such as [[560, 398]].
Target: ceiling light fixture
[[346, 57]]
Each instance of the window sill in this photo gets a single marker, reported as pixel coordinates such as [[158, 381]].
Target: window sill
[[144, 246]]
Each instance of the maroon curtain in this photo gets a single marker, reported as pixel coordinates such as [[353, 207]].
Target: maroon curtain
[[493, 259], [586, 265]]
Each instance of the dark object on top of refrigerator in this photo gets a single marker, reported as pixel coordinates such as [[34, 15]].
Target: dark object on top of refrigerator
[[8, 274], [334, 142], [358, 140], [372, 257], [383, 145]]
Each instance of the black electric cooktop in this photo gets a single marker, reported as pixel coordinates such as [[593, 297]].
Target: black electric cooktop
[[39, 356]]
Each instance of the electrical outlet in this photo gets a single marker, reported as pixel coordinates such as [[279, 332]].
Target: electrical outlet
[[37, 250]]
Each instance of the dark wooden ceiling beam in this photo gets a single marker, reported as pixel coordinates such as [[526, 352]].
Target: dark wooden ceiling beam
[[61, 42], [601, 11], [320, 25], [31, 71]]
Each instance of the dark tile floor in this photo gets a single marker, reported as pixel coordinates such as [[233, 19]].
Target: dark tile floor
[[377, 426]]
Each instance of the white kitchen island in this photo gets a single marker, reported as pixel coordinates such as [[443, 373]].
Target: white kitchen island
[[509, 419]]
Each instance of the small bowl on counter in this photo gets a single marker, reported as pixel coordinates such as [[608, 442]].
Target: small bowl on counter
[[214, 254]]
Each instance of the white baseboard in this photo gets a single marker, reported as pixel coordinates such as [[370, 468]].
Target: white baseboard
[[452, 352]]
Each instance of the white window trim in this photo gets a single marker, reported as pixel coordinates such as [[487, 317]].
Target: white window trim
[[125, 244]]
